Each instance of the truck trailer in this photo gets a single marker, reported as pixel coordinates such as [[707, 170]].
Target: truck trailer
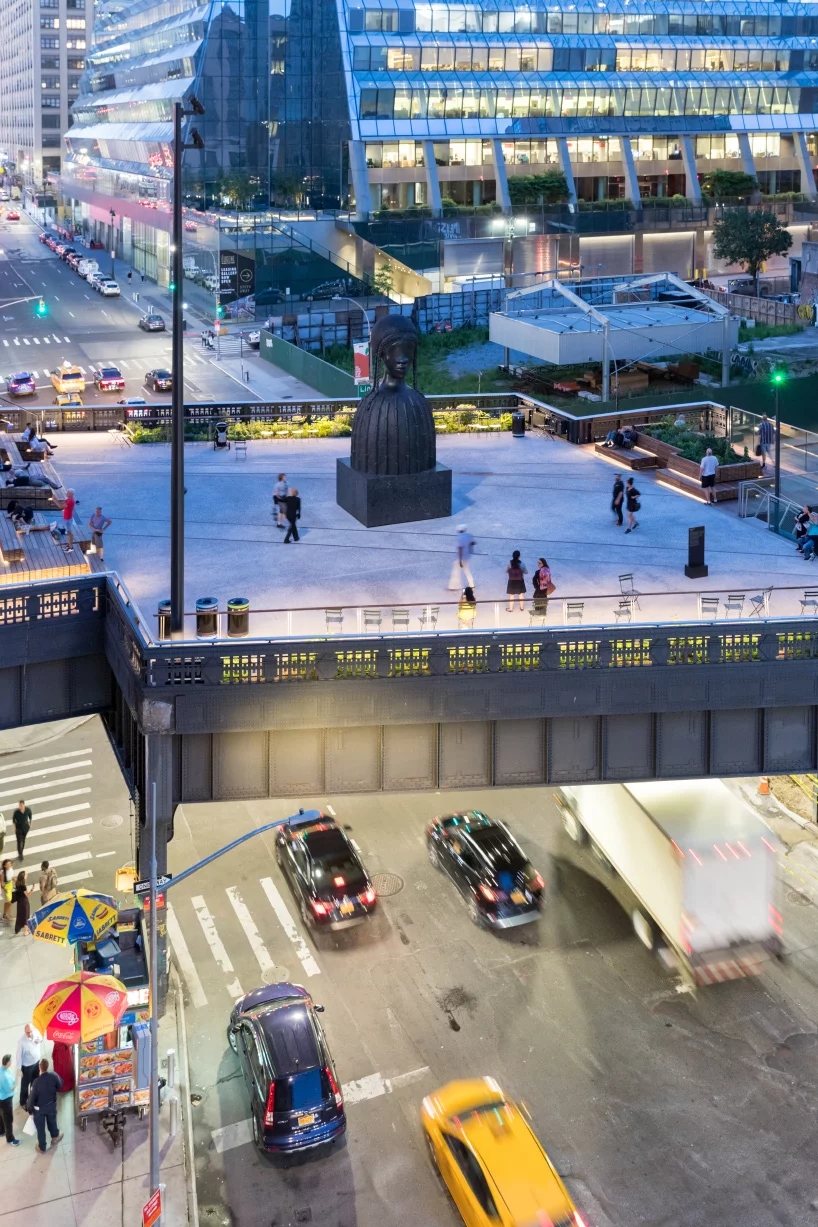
[[693, 866]]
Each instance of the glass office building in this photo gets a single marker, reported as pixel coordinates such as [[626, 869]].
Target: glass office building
[[390, 107]]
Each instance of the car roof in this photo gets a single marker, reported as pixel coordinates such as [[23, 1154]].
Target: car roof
[[110, 367], [22, 375], [468, 820], [160, 370], [328, 842], [279, 991], [509, 1151], [290, 1037]]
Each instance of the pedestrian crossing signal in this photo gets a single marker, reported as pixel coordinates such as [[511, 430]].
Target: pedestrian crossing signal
[[42, 308]]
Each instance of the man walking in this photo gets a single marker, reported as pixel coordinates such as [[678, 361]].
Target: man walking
[[766, 438], [7, 1081], [292, 510], [97, 524], [29, 1051], [22, 823], [707, 467], [618, 498], [279, 496], [42, 1104], [461, 576]]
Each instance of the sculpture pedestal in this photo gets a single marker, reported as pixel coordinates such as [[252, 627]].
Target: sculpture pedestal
[[375, 500]]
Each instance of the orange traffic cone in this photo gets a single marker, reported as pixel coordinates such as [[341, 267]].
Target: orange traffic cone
[[764, 786]]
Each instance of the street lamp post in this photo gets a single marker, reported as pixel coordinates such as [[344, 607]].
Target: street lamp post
[[111, 244], [177, 438], [779, 377], [361, 308]]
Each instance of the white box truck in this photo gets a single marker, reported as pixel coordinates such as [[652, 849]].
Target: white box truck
[[86, 267], [693, 866]]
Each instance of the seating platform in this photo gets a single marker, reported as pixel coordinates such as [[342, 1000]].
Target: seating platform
[[35, 554], [49, 494], [628, 457]]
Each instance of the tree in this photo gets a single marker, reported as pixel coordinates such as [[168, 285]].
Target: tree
[[729, 184], [748, 238], [382, 282], [548, 188]]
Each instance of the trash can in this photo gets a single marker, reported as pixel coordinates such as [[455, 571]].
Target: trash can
[[164, 620], [518, 425], [207, 617], [238, 616]]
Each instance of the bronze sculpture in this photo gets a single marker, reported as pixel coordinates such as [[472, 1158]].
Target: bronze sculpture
[[392, 476]]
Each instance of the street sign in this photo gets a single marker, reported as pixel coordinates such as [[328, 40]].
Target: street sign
[[143, 888], [152, 1209]]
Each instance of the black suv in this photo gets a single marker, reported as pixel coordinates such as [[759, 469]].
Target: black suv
[[487, 865], [325, 872], [295, 1098]]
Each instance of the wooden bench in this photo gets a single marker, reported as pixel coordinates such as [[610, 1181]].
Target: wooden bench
[[37, 555], [50, 495], [629, 458], [722, 491], [11, 546], [664, 452]]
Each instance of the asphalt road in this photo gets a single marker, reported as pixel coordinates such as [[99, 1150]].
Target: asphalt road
[[658, 1107], [86, 329]]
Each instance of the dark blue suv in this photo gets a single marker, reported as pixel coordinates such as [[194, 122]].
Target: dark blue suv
[[295, 1097]]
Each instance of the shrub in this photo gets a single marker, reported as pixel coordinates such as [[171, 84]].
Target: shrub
[[691, 444]]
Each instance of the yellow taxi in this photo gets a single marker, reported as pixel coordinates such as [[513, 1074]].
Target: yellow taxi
[[68, 378], [490, 1160], [68, 400]]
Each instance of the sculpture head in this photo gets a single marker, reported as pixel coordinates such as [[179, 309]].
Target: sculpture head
[[394, 342]]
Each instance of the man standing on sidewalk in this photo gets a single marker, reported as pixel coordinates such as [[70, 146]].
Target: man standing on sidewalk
[[7, 1080], [42, 1105], [22, 823], [29, 1051], [766, 439]]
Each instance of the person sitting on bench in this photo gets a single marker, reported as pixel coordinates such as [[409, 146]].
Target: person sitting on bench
[[629, 438], [34, 444], [614, 438]]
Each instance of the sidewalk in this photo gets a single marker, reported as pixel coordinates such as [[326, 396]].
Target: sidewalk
[[797, 834], [81, 1181]]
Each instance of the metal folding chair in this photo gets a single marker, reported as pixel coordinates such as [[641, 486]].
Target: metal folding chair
[[428, 617], [400, 619], [708, 607], [335, 619], [761, 603], [809, 602], [734, 604], [624, 610], [627, 589], [372, 619], [574, 611]]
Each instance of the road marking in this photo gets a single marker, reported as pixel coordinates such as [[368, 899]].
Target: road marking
[[248, 924], [26, 341], [57, 796], [29, 775], [5, 342], [215, 943], [57, 843], [82, 876], [99, 854], [64, 809], [372, 1087], [16, 342], [186, 964], [61, 826], [36, 340], [61, 860], [288, 925]]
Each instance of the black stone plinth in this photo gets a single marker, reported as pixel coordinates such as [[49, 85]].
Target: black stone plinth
[[699, 572], [375, 499]]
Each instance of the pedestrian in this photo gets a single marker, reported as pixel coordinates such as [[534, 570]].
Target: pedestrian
[[461, 575], [22, 823], [142, 275], [68, 519], [42, 1104], [617, 498], [810, 540], [7, 882], [800, 527], [97, 524], [542, 584], [707, 467], [130, 276], [29, 1051], [3, 829], [467, 609], [20, 896], [292, 510], [633, 505], [766, 437], [48, 883], [516, 571], [7, 1080], [279, 498]]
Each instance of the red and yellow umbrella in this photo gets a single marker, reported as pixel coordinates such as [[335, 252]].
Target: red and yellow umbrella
[[80, 1007]]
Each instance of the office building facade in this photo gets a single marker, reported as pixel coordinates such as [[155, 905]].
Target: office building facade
[[44, 48]]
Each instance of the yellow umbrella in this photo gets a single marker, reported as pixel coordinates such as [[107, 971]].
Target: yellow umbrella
[[80, 1007], [78, 916]]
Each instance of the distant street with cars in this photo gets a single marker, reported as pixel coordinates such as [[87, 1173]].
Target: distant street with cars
[[88, 323]]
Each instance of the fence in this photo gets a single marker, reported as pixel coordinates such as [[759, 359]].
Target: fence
[[765, 310], [305, 366]]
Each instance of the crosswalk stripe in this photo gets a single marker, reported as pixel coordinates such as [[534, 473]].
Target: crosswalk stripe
[[61, 826], [183, 958], [216, 945], [57, 796], [36, 340], [53, 758], [289, 926], [63, 809], [26, 341], [61, 860], [5, 342], [46, 340], [29, 775], [58, 843], [248, 924], [82, 876], [66, 339]]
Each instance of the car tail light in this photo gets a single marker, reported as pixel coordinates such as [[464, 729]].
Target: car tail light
[[333, 1086], [369, 896], [338, 881], [271, 1102], [318, 907], [487, 893]]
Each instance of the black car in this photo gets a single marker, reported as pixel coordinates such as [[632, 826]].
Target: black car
[[68, 251], [325, 872], [487, 865], [152, 323], [159, 381], [295, 1098]]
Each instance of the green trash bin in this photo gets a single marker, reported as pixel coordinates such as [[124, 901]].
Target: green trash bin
[[238, 616]]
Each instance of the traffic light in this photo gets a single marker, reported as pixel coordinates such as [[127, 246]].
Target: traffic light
[[42, 308], [779, 376], [220, 312]]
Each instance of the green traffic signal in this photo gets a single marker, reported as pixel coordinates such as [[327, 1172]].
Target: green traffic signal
[[220, 312], [779, 377], [42, 308]]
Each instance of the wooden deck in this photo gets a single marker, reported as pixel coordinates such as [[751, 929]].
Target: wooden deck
[[36, 555], [50, 495]]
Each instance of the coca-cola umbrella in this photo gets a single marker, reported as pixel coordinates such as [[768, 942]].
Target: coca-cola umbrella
[[80, 1007]]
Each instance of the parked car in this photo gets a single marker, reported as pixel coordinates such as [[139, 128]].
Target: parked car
[[23, 384], [132, 400], [43, 236], [73, 259], [159, 381], [325, 872], [501, 886], [253, 338], [295, 1098], [108, 288], [67, 378], [68, 400], [109, 379], [12, 216], [65, 251], [152, 323], [94, 279]]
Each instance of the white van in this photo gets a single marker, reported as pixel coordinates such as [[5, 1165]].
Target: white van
[[87, 266]]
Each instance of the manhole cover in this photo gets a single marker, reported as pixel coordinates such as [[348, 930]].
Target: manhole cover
[[275, 975], [795, 896], [111, 820], [387, 884]]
